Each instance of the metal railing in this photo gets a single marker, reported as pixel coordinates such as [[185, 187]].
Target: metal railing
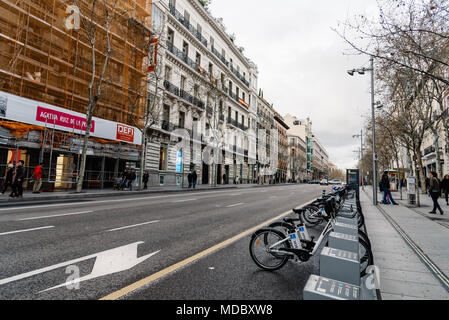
[[187, 24], [220, 56], [238, 75]]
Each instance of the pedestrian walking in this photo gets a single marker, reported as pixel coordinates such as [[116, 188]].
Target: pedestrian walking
[[146, 178], [194, 179], [9, 174], [386, 188], [190, 179], [445, 188], [124, 179], [37, 176], [131, 178], [435, 192], [18, 181]]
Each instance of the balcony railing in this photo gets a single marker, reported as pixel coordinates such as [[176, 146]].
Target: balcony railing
[[238, 75], [187, 24], [219, 56], [183, 95], [234, 96], [428, 151]]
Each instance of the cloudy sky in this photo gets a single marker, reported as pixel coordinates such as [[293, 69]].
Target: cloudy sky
[[302, 68]]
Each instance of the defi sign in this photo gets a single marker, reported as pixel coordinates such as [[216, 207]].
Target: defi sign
[[125, 133]]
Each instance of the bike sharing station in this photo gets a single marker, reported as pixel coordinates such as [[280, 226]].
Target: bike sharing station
[[340, 277], [345, 259]]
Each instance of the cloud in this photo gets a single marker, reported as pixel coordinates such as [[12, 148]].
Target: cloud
[[302, 69]]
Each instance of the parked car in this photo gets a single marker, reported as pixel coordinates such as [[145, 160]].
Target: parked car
[[324, 182], [315, 181], [335, 181]]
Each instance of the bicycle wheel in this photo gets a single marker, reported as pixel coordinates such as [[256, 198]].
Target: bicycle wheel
[[312, 216], [360, 219], [363, 235], [365, 256], [260, 249]]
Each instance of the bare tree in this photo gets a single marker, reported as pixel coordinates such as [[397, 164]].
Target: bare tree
[[148, 92], [92, 16]]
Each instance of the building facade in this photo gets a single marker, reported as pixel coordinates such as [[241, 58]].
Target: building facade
[[208, 92], [45, 71]]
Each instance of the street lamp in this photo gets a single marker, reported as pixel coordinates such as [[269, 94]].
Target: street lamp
[[373, 104], [361, 154]]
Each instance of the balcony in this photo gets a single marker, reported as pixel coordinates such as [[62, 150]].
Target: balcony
[[187, 25], [183, 95], [234, 96], [428, 151], [238, 75], [219, 56]]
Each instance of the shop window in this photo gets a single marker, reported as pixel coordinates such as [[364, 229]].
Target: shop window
[[163, 158]]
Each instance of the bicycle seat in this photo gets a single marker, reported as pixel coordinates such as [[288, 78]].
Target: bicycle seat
[[299, 211]]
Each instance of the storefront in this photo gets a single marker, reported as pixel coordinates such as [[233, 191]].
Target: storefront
[[37, 132]]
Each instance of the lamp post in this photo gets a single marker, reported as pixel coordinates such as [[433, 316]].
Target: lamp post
[[373, 122], [361, 154]]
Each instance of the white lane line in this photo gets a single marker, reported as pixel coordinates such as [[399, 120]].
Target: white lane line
[[235, 205], [73, 201], [134, 225], [185, 200], [56, 215], [25, 230]]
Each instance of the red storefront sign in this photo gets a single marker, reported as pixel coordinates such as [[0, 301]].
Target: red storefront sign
[[58, 118], [125, 133]]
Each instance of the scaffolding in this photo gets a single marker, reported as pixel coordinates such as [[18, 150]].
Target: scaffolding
[[41, 60]]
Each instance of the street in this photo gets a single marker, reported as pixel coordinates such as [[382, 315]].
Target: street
[[111, 243]]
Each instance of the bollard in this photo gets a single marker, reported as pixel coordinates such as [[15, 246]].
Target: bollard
[[344, 241], [340, 265], [321, 288]]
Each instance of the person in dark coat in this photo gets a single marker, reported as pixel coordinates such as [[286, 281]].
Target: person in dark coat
[[445, 187], [190, 179], [386, 188], [18, 181], [124, 179], [194, 179], [435, 192], [131, 178], [8, 178], [146, 178]]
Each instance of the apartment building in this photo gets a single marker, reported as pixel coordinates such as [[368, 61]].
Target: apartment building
[[283, 148], [209, 91], [320, 159]]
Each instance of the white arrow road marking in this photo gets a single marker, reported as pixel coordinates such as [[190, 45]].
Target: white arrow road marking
[[135, 225], [107, 262], [25, 230], [56, 215]]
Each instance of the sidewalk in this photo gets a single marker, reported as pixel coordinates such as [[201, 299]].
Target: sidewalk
[[98, 193], [411, 251]]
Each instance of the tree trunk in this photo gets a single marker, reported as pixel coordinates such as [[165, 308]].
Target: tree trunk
[[82, 168]]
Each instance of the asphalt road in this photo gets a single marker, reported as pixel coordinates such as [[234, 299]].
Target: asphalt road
[[114, 243]]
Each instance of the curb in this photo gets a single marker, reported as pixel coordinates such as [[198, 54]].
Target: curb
[[101, 195]]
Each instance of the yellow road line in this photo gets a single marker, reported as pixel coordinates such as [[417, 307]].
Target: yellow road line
[[141, 283]]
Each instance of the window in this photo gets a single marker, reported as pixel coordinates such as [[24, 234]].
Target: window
[[157, 18], [212, 42], [211, 69], [237, 92], [223, 81], [182, 118], [237, 116], [167, 73], [171, 36], [185, 48], [230, 87], [196, 89], [172, 3], [243, 119], [199, 29], [231, 63], [243, 96], [198, 59], [229, 112], [183, 83], [166, 113], [223, 53], [186, 16], [163, 158]]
